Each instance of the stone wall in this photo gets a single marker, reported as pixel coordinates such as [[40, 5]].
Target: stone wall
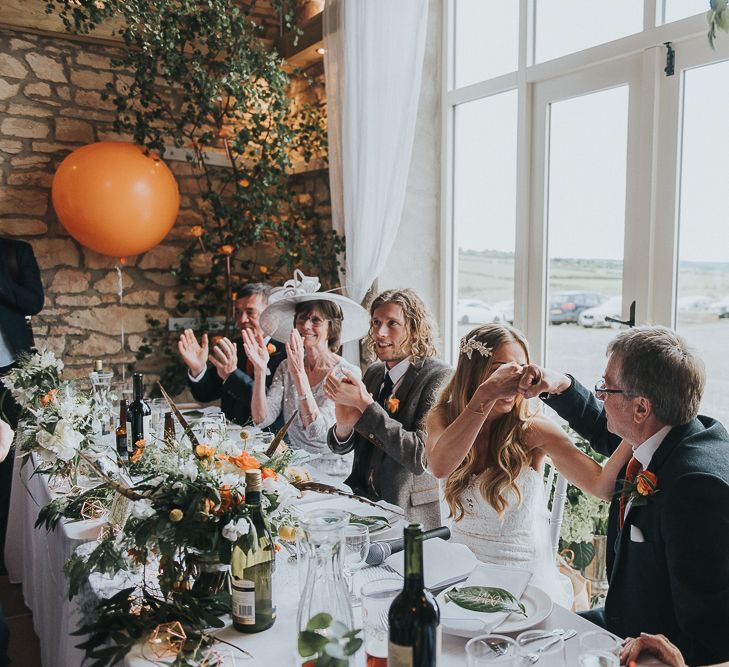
[[50, 104]]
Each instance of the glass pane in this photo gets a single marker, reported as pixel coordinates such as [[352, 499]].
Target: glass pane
[[586, 221], [675, 10], [484, 209], [703, 270], [567, 26], [486, 40]]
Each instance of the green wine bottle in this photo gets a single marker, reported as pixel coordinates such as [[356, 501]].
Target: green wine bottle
[[414, 617], [251, 567]]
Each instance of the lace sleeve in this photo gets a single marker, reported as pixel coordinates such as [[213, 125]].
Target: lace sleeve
[[275, 395]]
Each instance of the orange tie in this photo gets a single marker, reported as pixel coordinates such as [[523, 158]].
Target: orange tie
[[634, 467]]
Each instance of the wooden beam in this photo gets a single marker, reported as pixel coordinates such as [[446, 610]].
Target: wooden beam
[[303, 52], [30, 16]]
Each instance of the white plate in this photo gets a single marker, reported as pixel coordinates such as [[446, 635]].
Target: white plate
[[538, 607]]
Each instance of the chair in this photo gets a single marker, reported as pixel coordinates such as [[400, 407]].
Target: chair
[[555, 486]]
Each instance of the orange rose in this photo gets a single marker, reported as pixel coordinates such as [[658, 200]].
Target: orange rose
[[646, 484], [244, 182], [244, 461], [204, 451], [138, 452], [226, 249], [197, 231], [392, 405], [263, 268], [271, 348], [268, 472], [48, 397]]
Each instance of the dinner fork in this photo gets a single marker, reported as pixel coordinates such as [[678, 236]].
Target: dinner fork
[[533, 657]]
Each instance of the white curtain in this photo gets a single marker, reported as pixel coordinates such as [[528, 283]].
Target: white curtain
[[373, 66]]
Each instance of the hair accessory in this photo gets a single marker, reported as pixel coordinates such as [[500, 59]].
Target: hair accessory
[[473, 344]]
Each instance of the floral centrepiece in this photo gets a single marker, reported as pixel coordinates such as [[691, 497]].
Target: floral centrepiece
[[58, 421]]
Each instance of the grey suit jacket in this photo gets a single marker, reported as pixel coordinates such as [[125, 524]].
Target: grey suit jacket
[[388, 448]]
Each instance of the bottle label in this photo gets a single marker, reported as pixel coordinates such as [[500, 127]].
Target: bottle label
[[244, 603], [399, 656]]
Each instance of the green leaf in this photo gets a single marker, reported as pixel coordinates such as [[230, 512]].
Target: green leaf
[[372, 522], [584, 553], [319, 622], [311, 643], [485, 599]]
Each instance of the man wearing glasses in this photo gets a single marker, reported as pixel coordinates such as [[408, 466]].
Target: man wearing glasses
[[669, 521]]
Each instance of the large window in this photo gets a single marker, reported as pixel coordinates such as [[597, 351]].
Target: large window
[[581, 177], [484, 209]]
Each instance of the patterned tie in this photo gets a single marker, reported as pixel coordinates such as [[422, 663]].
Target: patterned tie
[[634, 467], [386, 390]]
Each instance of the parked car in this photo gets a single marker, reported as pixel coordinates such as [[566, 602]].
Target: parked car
[[473, 311], [566, 307], [597, 316]]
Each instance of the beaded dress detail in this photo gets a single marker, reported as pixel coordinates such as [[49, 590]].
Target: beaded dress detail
[[519, 538]]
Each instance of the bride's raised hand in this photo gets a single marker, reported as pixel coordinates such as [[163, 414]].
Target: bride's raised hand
[[256, 350], [501, 383]]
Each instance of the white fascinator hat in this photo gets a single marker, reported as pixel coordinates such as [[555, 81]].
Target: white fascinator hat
[[277, 320]]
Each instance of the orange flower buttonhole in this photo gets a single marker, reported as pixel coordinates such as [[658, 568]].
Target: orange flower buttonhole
[[646, 484], [393, 405]]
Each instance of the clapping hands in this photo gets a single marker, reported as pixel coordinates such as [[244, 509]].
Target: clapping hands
[[295, 354], [256, 350], [194, 354]]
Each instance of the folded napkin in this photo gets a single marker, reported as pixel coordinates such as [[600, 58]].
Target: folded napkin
[[444, 562], [458, 620]]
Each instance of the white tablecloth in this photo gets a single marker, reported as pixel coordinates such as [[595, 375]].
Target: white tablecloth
[[36, 558]]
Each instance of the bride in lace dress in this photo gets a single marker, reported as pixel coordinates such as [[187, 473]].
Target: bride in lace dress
[[483, 439]]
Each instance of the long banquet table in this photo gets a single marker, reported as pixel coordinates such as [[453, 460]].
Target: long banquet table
[[36, 558]]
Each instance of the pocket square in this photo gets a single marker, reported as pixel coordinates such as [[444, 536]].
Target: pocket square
[[636, 534]]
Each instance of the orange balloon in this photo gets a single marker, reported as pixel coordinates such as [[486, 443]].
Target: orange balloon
[[114, 199]]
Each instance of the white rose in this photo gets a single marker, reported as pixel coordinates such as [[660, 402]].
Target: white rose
[[234, 529], [189, 469], [142, 509], [64, 441]]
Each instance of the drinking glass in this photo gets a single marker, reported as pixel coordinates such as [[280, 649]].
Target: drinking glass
[[158, 407], [599, 649], [356, 548], [377, 596], [534, 641], [486, 650]]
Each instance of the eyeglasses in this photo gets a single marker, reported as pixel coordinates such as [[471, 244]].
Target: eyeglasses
[[316, 322], [602, 390]]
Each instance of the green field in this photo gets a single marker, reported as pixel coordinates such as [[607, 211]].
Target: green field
[[489, 276]]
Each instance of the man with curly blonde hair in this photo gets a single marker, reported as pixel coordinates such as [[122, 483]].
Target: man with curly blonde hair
[[381, 416]]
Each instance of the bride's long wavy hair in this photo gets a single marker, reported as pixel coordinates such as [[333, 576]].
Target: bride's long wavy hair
[[498, 458]]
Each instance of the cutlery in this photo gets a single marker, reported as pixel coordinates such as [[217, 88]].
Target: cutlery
[[496, 646], [557, 632], [533, 657]]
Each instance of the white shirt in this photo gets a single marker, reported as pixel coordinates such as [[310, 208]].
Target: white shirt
[[396, 373], [644, 453]]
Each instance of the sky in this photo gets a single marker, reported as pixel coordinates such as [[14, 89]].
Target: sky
[[587, 137]]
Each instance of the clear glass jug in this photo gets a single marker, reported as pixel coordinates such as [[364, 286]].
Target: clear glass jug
[[325, 613]]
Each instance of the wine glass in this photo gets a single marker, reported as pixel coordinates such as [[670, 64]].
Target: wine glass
[[535, 643], [491, 650], [599, 649], [356, 548]]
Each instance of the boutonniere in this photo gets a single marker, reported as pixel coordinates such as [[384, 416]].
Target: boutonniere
[[392, 405], [641, 488], [271, 348]]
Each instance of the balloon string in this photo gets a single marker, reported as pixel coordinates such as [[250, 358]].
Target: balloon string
[[121, 314]]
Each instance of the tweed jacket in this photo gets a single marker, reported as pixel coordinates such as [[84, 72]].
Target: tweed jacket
[[389, 448], [19, 298], [669, 565], [236, 392]]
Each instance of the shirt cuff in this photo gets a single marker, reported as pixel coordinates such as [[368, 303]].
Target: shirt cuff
[[196, 378], [346, 440]]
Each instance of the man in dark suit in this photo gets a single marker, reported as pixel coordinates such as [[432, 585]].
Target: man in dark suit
[[21, 295], [668, 564], [229, 376], [381, 416]]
